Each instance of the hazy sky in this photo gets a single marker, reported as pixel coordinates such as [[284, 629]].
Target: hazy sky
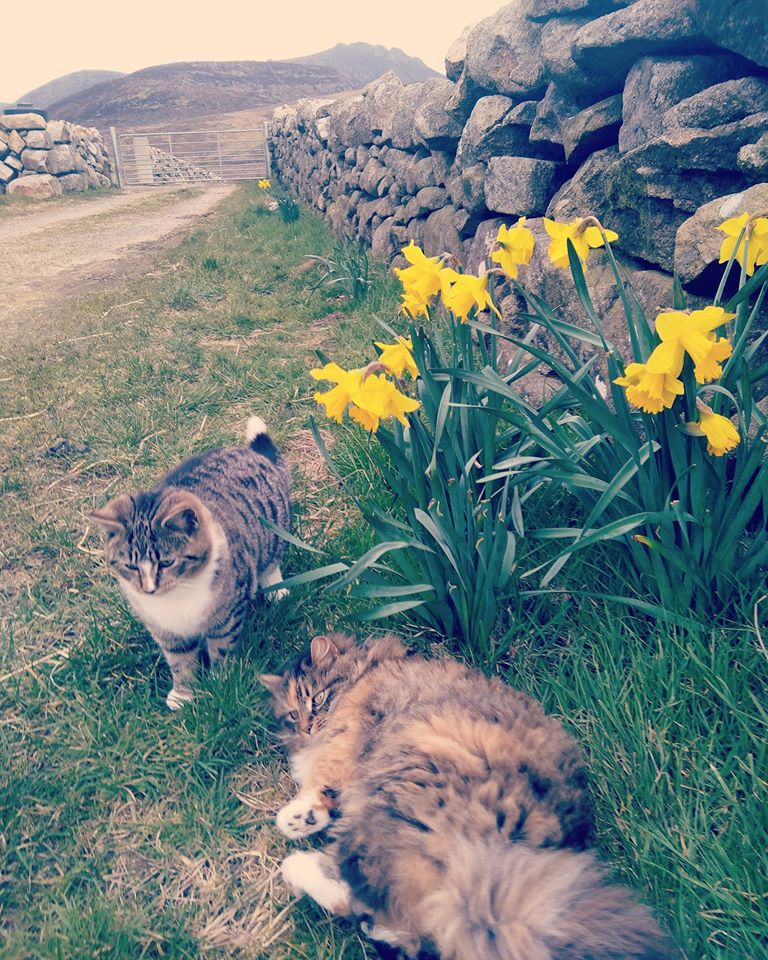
[[50, 38]]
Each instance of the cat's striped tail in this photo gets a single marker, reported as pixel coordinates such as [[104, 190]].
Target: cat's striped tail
[[521, 903], [258, 439]]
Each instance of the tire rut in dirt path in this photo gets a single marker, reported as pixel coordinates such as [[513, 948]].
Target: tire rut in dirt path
[[53, 254]]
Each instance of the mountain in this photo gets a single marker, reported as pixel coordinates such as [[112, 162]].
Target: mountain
[[67, 86], [178, 91], [365, 62]]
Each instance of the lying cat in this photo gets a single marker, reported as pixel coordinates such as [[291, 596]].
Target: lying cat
[[191, 553], [458, 810]]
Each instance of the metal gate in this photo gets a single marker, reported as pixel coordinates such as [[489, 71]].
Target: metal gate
[[190, 156]]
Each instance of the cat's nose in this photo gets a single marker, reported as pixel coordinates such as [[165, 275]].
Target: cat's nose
[[147, 577]]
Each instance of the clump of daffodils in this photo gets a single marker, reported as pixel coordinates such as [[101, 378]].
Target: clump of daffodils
[[264, 184], [692, 336], [655, 385]]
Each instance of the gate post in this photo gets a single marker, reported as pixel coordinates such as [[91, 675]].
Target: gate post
[[118, 158], [266, 150]]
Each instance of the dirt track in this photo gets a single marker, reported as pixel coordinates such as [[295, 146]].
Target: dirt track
[[58, 250]]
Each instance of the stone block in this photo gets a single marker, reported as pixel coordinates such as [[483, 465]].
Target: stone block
[[37, 187], [593, 128], [39, 139], [698, 241], [60, 130], [739, 26], [432, 124], [504, 56], [725, 102], [22, 121], [61, 159], [520, 186], [72, 181], [34, 160], [655, 84], [607, 47], [16, 142]]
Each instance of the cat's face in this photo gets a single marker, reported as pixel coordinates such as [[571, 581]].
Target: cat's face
[[304, 693], [151, 542]]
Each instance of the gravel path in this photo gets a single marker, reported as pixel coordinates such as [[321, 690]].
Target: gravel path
[[52, 252]]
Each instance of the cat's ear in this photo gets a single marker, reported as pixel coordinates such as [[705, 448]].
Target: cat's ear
[[113, 517], [272, 681], [322, 648], [180, 514]]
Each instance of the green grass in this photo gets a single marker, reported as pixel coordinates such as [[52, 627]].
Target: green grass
[[128, 831]]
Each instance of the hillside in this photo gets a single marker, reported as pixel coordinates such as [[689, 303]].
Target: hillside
[[178, 91], [366, 62], [69, 85]]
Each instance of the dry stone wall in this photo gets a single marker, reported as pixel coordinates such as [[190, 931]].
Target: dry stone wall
[[167, 168], [648, 114], [40, 158]]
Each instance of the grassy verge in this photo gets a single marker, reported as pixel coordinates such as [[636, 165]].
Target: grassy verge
[[126, 831]]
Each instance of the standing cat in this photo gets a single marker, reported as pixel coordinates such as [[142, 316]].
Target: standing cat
[[457, 807], [191, 553]]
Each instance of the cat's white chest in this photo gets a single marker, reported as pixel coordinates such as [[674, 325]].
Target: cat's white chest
[[182, 611], [302, 763]]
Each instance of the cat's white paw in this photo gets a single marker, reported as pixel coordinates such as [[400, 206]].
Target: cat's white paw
[[302, 816], [275, 596], [269, 579], [177, 698], [316, 875], [375, 931]]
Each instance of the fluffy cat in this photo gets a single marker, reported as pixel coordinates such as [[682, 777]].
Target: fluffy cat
[[457, 808], [191, 553]]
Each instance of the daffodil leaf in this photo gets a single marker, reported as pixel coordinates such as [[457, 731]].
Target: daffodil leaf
[[655, 610], [623, 476], [368, 590], [319, 573], [757, 280], [678, 294], [288, 537], [324, 450], [370, 557], [389, 610]]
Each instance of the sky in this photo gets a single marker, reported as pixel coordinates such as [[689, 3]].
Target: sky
[[140, 33]]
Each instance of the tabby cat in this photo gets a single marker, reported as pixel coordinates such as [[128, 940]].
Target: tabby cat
[[191, 553], [457, 808]]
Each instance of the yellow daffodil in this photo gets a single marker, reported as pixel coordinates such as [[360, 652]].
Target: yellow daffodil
[[414, 305], [264, 184], [339, 397], [691, 333], [398, 357], [721, 434], [368, 421], [754, 240], [421, 280], [367, 397], [650, 392], [380, 397], [583, 239], [462, 293], [515, 247]]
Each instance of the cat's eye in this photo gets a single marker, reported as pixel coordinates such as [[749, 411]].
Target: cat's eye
[[293, 715], [131, 566], [320, 698], [164, 564]]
